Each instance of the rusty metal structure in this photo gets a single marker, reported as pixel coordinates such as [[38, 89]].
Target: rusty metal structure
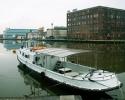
[[96, 23]]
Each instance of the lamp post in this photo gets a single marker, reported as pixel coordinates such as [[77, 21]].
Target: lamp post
[[52, 29]]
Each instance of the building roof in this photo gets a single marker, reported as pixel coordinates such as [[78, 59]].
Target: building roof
[[18, 31], [99, 7], [59, 52]]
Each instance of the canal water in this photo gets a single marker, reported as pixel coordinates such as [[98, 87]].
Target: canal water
[[18, 82]]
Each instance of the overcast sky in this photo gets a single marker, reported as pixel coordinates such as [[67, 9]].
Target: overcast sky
[[38, 13]]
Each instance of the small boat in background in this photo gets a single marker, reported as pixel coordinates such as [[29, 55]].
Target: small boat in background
[[53, 64]]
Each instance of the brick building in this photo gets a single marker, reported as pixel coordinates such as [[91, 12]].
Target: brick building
[[96, 23]]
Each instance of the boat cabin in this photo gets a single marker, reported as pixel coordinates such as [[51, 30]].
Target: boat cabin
[[53, 59]]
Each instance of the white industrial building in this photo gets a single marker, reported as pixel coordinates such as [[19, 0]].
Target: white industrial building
[[57, 32]]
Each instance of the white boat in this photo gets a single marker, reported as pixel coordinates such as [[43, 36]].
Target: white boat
[[53, 64]]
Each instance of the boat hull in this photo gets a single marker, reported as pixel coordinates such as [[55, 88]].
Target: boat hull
[[57, 88]]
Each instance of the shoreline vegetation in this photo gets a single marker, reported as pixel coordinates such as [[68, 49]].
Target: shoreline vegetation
[[73, 40]]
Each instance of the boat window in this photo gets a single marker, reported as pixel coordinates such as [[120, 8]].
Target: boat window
[[27, 56], [22, 54], [44, 57], [31, 50], [21, 47], [52, 56], [37, 58]]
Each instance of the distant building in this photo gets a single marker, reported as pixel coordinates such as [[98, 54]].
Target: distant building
[[39, 34], [17, 33], [32, 35], [96, 23], [57, 32]]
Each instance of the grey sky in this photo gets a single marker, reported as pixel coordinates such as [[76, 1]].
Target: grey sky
[[38, 13]]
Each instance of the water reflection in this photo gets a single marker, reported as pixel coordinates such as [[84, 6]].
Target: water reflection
[[103, 56], [1, 41], [36, 89], [40, 86], [11, 44]]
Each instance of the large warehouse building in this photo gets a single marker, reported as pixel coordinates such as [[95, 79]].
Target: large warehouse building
[[96, 23]]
